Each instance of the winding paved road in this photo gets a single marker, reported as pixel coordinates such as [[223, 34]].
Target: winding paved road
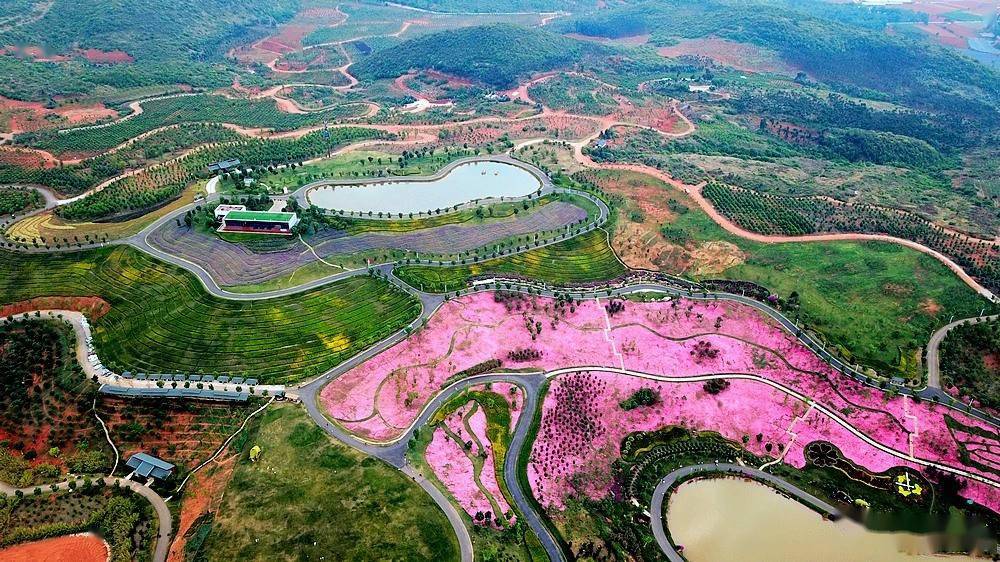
[[394, 453], [933, 347], [656, 515]]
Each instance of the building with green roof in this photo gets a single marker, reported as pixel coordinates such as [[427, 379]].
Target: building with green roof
[[260, 222]]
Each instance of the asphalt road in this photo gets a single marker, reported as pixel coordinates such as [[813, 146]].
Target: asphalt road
[[933, 347], [656, 514]]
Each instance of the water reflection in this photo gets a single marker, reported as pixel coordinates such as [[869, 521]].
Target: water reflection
[[468, 182], [730, 519]]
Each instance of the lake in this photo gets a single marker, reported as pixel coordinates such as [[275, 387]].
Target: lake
[[463, 184], [732, 519]]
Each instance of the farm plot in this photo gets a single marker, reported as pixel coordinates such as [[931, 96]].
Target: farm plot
[[583, 259], [144, 191], [574, 93], [663, 338], [161, 320], [73, 179], [875, 303], [14, 200], [45, 422], [787, 215], [125, 520], [203, 108], [184, 433], [235, 264]]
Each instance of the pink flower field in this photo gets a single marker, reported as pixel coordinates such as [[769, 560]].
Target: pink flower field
[[583, 425], [454, 467], [379, 399]]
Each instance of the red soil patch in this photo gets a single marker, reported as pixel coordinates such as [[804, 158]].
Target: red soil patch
[[24, 116], [202, 495], [106, 57], [72, 548], [650, 113], [992, 362], [92, 307], [953, 35], [33, 52], [741, 56], [930, 307], [25, 158]]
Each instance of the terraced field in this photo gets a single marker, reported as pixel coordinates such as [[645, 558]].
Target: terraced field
[[583, 259], [184, 109], [161, 319], [236, 264]]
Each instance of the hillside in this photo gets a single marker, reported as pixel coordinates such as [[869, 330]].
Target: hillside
[[496, 55], [77, 47], [843, 46]]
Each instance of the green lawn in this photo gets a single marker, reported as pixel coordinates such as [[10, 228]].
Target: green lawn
[[309, 497], [162, 320], [578, 260]]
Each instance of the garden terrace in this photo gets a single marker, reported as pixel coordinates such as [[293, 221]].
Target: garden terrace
[[461, 456], [156, 185], [203, 108], [582, 259], [235, 263], [73, 179], [162, 321], [665, 339], [45, 401], [787, 215], [182, 432]]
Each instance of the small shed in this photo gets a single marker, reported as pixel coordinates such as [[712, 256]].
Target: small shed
[[149, 466]]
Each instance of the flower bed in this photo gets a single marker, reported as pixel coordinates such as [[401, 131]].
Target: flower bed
[[676, 338], [474, 487]]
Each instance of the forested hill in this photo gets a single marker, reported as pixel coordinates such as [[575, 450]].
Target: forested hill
[[495, 55], [842, 45], [171, 41]]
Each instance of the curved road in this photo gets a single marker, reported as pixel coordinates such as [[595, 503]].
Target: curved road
[[656, 514], [933, 347]]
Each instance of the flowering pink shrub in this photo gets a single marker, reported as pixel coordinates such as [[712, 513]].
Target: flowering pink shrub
[[382, 397], [582, 427], [452, 465]]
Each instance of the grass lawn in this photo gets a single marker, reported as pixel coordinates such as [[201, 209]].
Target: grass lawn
[[309, 497], [162, 320], [876, 301], [578, 260], [55, 230]]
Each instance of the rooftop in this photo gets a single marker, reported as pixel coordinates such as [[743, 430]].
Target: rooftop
[[261, 216], [148, 465]]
